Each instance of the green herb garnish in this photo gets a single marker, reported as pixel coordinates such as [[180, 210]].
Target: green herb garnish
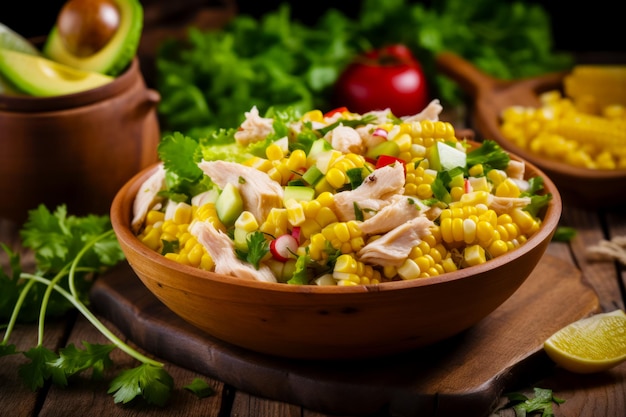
[[69, 251]]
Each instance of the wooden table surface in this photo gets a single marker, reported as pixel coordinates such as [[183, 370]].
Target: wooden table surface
[[598, 395]]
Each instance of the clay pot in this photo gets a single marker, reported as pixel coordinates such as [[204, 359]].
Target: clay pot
[[76, 149]]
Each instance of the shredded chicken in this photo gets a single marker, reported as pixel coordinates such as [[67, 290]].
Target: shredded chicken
[[221, 249], [345, 139], [147, 197], [373, 194], [368, 138], [392, 248], [516, 170], [254, 128], [505, 204], [431, 112], [259, 192], [400, 210]]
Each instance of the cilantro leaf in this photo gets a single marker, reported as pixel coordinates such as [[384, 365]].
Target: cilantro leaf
[[541, 402], [56, 237], [95, 356], [149, 381], [490, 155], [564, 234], [301, 275], [6, 350], [200, 387], [537, 202], [258, 247], [39, 369], [69, 251]]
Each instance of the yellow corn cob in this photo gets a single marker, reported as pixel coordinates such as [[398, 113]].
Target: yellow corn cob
[[583, 131], [597, 85]]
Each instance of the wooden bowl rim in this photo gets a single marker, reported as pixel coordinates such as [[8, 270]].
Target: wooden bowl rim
[[121, 214]]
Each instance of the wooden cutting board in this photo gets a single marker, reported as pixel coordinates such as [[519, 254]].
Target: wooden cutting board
[[463, 375]]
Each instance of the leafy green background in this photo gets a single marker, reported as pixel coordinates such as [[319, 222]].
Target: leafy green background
[[211, 78]]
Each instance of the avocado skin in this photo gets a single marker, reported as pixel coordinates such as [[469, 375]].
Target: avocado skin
[[116, 55], [39, 76]]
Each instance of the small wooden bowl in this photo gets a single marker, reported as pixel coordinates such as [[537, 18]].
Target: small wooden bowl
[[330, 322], [580, 186]]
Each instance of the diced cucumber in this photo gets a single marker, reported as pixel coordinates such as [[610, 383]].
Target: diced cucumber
[[319, 146], [298, 193], [324, 160], [312, 175], [388, 147], [443, 157], [229, 204], [457, 181], [240, 238]]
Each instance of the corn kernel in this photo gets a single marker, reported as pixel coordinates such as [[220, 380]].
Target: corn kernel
[[295, 212], [335, 177], [498, 247], [409, 270], [474, 255], [246, 221], [274, 152]]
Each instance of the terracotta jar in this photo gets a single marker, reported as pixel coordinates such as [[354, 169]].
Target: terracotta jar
[[77, 149]]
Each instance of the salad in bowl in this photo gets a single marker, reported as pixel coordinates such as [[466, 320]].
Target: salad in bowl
[[336, 199]]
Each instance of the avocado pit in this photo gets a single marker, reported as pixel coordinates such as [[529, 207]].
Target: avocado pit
[[86, 26]]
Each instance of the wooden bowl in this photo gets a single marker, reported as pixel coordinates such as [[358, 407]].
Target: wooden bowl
[[580, 186], [331, 322], [76, 149]]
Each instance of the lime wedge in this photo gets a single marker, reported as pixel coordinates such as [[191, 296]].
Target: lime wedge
[[592, 344]]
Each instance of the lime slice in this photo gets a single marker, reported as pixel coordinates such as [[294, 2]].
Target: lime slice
[[13, 41], [592, 344]]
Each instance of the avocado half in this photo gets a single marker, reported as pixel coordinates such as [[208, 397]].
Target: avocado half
[[39, 76], [13, 41], [116, 55]]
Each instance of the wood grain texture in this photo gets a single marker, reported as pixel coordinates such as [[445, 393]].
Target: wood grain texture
[[467, 372]]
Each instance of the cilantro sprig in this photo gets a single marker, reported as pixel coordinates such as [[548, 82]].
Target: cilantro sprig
[[542, 402], [69, 252]]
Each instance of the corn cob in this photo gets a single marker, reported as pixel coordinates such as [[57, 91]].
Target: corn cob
[[595, 87], [560, 131]]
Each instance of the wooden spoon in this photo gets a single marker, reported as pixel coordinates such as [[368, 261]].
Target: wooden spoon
[[588, 187]]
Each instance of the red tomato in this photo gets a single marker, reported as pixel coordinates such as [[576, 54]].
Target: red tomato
[[335, 111], [389, 77], [384, 160]]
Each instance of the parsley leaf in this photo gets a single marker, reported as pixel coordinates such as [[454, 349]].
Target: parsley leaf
[[69, 252], [40, 369], [200, 387], [151, 382], [564, 234], [73, 360], [541, 402], [257, 249], [490, 155]]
